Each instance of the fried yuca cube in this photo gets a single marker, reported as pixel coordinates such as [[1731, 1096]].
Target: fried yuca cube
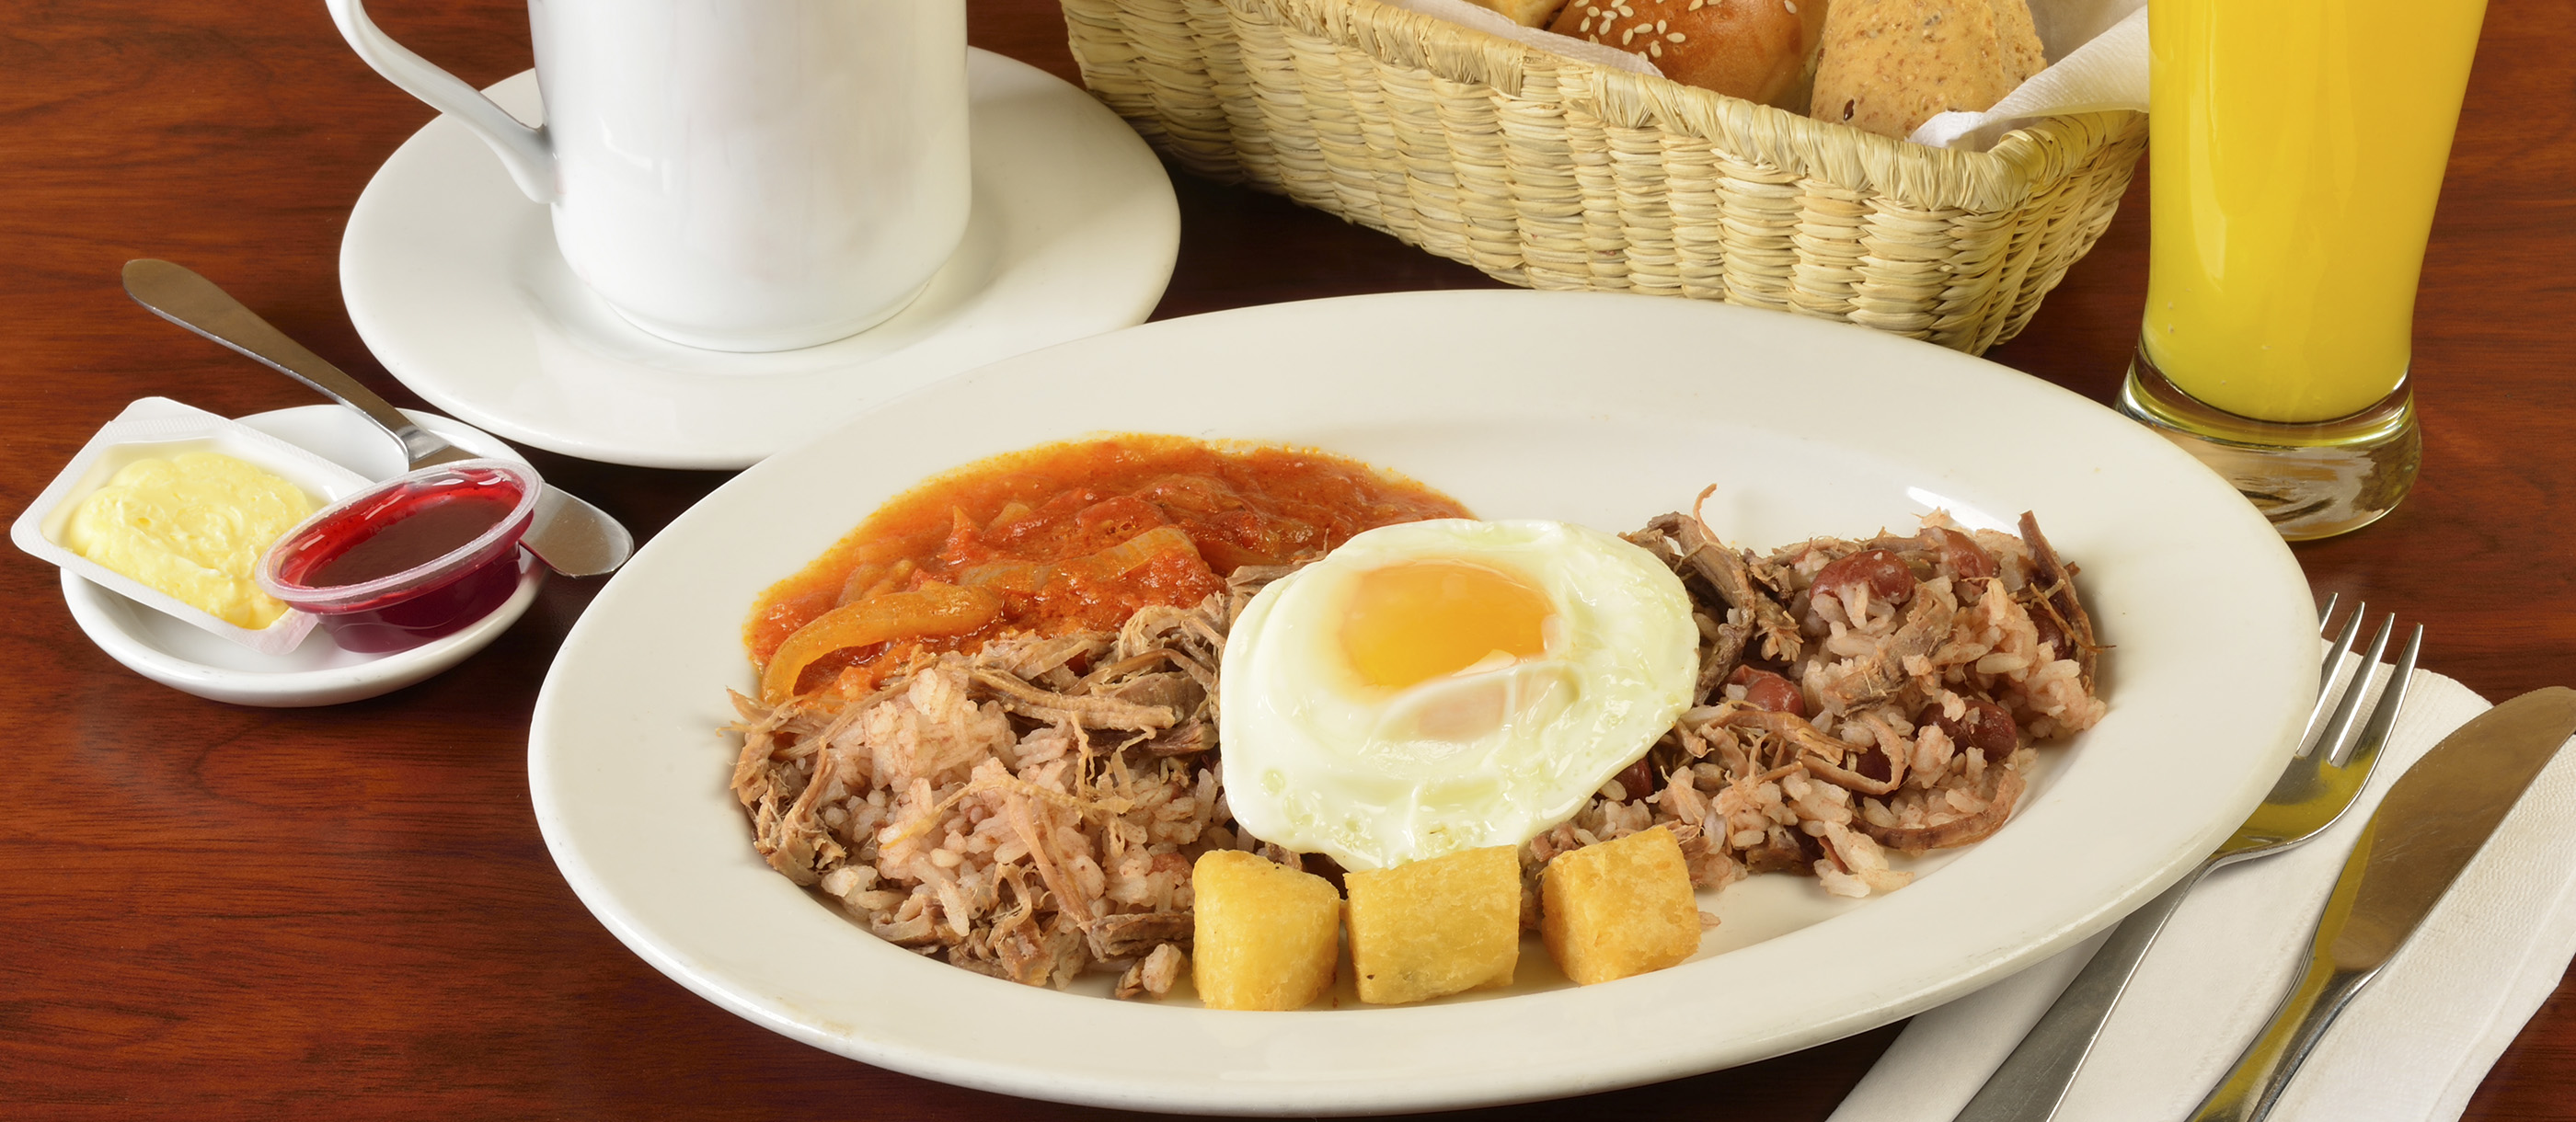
[[1619, 908], [1434, 927], [1267, 936]]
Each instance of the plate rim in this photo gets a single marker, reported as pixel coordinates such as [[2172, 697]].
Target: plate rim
[[1314, 1093]]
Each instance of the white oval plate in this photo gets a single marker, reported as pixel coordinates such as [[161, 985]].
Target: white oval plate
[[1513, 403], [453, 279], [317, 672]]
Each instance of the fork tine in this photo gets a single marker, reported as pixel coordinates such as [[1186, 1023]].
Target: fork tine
[[2333, 662], [2374, 733], [2343, 639], [2336, 742], [2325, 618]]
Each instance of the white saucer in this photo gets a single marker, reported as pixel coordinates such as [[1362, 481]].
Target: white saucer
[[452, 278], [187, 658]]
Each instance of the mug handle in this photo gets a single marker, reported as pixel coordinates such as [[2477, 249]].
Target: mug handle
[[527, 152]]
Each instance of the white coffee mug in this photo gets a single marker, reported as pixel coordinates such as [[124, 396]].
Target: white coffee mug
[[739, 175]]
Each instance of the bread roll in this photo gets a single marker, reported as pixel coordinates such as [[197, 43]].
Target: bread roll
[[1758, 50], [1889, 65], [1527, 13]]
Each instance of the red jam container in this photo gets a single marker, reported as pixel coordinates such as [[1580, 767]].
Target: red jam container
[[410, 559]]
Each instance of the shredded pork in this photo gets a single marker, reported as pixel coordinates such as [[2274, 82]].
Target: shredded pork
[[1029, 811]]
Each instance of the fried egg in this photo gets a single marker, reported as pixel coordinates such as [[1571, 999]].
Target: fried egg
[[1445, 685]]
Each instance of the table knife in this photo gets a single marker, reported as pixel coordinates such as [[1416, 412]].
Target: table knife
[[2436, 817]]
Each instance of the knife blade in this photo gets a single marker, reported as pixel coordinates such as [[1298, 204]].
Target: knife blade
[[2432, 822]]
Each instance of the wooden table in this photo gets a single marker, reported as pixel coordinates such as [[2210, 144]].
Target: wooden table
[[210, 910]]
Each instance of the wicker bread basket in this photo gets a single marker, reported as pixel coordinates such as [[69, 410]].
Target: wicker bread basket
[[1553, 173]]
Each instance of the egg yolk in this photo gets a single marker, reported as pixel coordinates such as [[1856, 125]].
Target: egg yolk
[[1413, 622]]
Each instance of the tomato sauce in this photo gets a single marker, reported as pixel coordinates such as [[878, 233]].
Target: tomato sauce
[[1065, 533]]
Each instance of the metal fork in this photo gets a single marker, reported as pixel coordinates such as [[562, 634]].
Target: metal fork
[[2310, 794]]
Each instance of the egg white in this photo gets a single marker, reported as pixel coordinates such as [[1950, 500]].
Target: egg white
[[1320, 761]]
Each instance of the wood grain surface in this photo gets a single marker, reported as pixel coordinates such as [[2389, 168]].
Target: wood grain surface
[[215, 911]]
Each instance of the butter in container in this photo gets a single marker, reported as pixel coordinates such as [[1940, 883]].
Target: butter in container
[[219, 500]]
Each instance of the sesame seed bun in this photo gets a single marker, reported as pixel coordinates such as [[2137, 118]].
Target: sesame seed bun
[[1758, 50]]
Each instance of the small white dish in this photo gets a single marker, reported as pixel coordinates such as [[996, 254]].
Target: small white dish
[[1497, 399], [317, 672], [453, 279]]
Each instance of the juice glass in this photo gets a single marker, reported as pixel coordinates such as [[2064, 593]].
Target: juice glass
[[2296, 148]]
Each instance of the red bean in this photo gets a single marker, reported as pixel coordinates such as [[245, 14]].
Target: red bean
[[1887, 577], [2050, 634], [1766, 690], [1638, 781], [1985, 726], [1962, 556]]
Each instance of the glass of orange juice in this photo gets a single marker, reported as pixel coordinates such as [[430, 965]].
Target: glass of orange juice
[[2296, 149]]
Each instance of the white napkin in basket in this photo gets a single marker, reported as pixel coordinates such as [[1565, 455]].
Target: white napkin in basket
[[2095, 66], [2414, 1045]]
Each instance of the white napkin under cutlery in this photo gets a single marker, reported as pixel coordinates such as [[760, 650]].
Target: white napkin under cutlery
[[2412, 1046]]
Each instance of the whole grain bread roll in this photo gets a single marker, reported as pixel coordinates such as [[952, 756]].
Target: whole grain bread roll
[[1758, 50], [1887, 66]]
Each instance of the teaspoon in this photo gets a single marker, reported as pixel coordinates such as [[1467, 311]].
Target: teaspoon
[[571, 536]]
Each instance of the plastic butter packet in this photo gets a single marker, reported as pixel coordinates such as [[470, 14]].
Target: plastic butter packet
[[159, 428]]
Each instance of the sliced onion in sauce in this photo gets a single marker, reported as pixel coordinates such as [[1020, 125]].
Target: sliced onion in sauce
[[936, 609], [1102, 567]]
